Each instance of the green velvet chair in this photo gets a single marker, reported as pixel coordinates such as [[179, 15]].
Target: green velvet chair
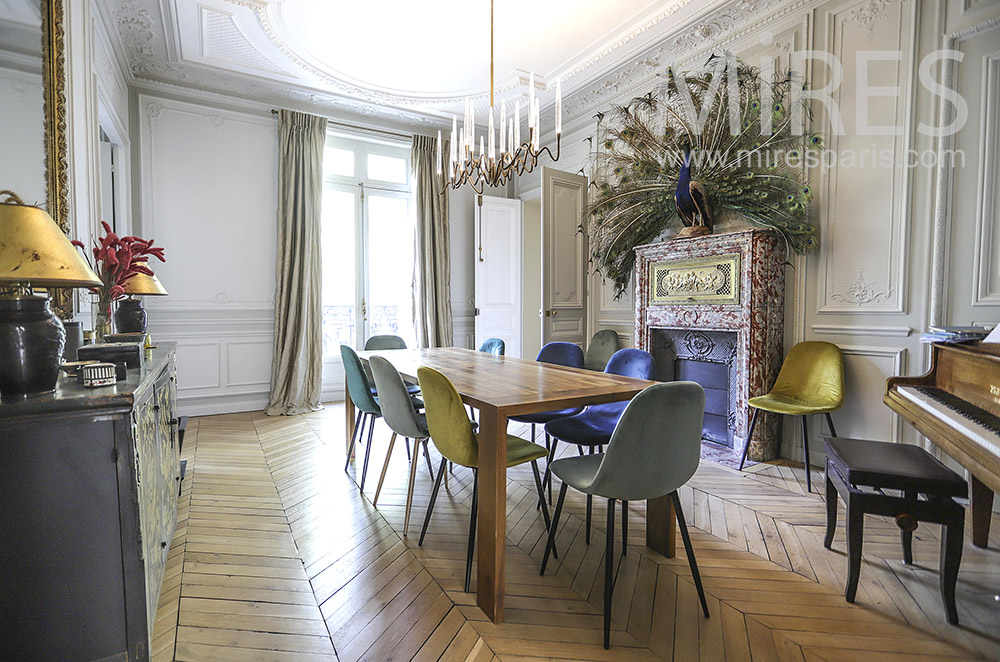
[[452, 434], [811, 381], [654, 450]]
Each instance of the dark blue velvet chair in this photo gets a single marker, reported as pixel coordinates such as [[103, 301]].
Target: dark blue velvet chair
[[593, 427], [559, 353]]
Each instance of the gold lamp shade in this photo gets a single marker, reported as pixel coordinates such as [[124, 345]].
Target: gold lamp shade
[[144, 285], [33, 250]]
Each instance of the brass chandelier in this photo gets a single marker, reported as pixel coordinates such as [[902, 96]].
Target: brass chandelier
[[491, 168]]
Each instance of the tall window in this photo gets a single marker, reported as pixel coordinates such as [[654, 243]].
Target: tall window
[[367, 242]]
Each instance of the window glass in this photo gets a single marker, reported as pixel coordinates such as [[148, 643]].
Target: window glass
[[338, 161], [339, 270], [387, 168]]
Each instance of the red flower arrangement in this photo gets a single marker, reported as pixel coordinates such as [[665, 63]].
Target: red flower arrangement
[[116, 261]]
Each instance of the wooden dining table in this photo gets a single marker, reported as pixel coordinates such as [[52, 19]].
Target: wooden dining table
[[501, 387]]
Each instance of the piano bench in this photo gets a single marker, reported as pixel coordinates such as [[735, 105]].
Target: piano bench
[[852, 464]]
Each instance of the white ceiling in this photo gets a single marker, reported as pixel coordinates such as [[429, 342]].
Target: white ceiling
[[408, 60]]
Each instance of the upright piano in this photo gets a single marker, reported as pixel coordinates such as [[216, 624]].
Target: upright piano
[[957, 406]]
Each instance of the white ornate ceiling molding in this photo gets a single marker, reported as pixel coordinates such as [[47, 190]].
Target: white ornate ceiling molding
[[715, 29]]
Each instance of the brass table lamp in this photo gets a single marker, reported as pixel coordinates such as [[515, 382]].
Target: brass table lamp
[[34, 252], [131, 316]]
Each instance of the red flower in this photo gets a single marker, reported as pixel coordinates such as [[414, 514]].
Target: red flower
[[117, 260]]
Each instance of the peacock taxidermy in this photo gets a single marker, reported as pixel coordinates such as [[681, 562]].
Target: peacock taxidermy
[[684, 155]]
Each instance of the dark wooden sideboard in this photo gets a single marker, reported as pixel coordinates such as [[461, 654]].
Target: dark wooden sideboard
[[88, 504]]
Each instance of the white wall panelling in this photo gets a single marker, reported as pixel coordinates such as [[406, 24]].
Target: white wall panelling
[[862, 257], [209, 196], [986, 269]]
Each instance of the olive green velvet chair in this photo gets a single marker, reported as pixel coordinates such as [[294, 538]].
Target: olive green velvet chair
[[811, 381], [654, 450], [452, 434]]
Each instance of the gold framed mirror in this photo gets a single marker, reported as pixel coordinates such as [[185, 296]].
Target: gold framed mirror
[[33, 96]]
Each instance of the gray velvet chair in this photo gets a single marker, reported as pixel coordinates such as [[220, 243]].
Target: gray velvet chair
[[653, 451], [362, 395], [384, 342], [600, 349], [401, 416]]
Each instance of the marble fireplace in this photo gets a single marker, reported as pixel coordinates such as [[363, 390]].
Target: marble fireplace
[[711, 310]]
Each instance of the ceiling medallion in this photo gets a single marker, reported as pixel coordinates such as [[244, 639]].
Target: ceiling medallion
[[514, 158]]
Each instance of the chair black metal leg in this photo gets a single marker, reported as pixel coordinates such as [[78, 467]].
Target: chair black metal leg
[[368, 451], [550, 543], [746, 446], [532, 433], [609, 573], [430, 504], [427, 456], [829, 421], [624, 528], [472, 529], [805, 451], [590, 510], [541, 501], [547, 476], [690, 552], [406, 440], [358, 424], [831, 508]]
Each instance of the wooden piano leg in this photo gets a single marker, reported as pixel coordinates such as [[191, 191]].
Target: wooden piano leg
[[981, 505]]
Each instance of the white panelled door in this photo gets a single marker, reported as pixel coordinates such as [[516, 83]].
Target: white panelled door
[[564, 257], [498, 272]]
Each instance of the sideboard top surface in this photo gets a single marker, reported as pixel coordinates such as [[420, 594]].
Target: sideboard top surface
[[70, 396]]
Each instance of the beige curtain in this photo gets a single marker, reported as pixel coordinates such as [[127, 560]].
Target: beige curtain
[[297, 363], [431, 268]]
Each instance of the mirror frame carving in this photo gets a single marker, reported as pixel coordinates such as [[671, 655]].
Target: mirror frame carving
[[54, 111]]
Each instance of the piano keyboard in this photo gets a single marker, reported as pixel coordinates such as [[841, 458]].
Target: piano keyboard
[[977, 424]]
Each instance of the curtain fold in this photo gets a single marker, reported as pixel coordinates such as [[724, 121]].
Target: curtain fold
[[432, 265], [297, 363]]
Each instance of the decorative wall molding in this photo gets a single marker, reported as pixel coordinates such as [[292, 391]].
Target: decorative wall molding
[[883, 249], [986, 261], [861, 291], [868, 15], [944, 177], [855, 330]]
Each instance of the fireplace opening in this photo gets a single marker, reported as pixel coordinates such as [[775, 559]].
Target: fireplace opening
[[708, 358], [714, 378]]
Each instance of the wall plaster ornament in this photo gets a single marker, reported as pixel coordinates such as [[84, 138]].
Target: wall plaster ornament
[[868, 15], [861, 291], [222, 298]]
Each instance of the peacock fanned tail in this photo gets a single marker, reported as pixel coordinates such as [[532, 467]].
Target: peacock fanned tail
[[640, 149]]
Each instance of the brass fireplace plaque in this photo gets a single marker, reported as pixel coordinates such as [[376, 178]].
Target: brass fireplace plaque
[[714, 279]]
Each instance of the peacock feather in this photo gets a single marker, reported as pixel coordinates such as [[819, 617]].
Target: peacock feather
[[736, 163]]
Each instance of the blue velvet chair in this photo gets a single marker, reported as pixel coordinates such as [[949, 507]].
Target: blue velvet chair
[[558, 353], [653, 451], [593, 427]]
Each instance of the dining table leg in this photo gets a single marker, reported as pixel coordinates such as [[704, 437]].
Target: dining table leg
[[492, 534], [661, 526]]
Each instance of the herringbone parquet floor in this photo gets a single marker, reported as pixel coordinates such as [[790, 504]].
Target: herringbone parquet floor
[[277, 556]]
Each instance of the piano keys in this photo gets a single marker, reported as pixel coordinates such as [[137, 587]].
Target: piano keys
[[957, 406]]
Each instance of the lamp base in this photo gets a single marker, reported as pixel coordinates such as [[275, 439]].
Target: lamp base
[[31, 345], [130, 316]]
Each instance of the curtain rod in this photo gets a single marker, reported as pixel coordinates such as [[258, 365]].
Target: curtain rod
[[361, 128]]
